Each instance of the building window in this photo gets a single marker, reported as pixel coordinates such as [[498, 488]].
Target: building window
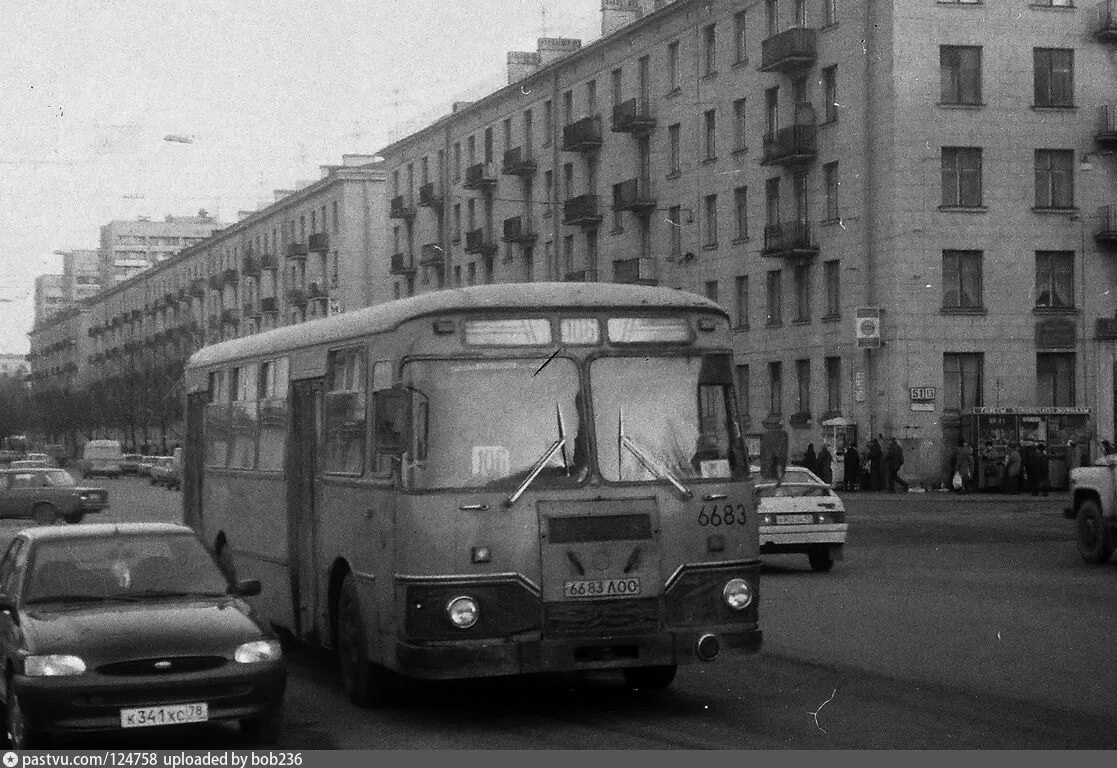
[[711, 220], [568, 107], [803, 379], [1054, 178], [567, 181], [961, 177], [674, 216], [711, 134], [457, 222], [961, 280], [830, 174], [962, 374], [775, 389], [709, 50], [740, 137], [1055, 378], [739, 51], [743, 392], [712, 290], [673, 148], [591, 93], [548, 189], [800, 13], [775, 298], [1054, 77], [829, 12], [743, 302], [1055, 279], [833, 385], [831, 273], [960, 74], [568, 253], [802, 276], [772, 14], [741, 208], [488, 145], [673, 66], [772, 201], [830, 93]]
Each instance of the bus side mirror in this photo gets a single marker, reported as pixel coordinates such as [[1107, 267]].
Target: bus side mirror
[[393, 420]]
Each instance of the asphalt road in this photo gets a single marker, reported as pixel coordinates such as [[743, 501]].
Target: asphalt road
[[953, 622]]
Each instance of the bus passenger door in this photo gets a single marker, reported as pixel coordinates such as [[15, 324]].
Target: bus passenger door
[[302, 466]]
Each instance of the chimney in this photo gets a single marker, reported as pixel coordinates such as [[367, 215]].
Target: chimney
[[282, 193], [616, 14], [458, 106], [521, 64], [554, 48], [326, 170], [352, 161]]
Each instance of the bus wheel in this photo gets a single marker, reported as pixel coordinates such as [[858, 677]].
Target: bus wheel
[[822, 559], [650, 678], [1093, 540], [73, 517], [44, 514], [366, 684]]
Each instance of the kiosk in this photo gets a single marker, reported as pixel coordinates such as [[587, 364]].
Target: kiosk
[[1065, 431], [839, 433]]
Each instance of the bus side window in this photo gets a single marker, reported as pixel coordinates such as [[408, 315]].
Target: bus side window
[[386, 440]]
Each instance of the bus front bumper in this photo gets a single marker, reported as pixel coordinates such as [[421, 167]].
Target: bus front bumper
[[530, 655]]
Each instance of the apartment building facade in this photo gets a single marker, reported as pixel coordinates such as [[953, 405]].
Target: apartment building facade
[[891, 200]]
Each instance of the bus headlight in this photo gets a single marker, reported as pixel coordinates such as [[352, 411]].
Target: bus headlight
[[463, 612], [737, 594]]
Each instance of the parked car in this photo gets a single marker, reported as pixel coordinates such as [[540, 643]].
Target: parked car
[[29, 464], [106, 627], [101, 457], [46, 458], [130, 463], [46, 494], [802, 514], [165, 473], [145, 465]]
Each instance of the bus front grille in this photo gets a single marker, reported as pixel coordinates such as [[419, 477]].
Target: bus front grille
[[602, 617]]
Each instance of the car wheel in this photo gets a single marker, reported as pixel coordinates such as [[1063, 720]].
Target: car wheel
[[73, 517], [44, 514], [1094, 543], [20, 734], [822, 559], [650, 678], [366, 684], [263, 731]]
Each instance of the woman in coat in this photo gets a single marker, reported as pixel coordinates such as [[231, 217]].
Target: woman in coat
[[851, 461], [810, 461], [825, 465], [964, 465], [1013, 467]]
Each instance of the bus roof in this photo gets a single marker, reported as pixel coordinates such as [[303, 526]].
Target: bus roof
[[542, 297]]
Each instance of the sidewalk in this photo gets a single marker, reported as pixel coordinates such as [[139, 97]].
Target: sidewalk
[[1056, 499]]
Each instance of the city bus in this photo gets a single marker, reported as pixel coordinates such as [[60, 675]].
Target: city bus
[[485, 481]]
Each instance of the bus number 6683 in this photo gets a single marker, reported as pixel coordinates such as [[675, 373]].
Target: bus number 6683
[[724, 514]]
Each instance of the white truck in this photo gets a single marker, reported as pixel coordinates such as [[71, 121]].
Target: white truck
[[1093, 507]]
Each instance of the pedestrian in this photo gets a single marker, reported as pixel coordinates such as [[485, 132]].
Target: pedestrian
[[810, 461], [1013, 469], [825, 465], [964, 464], [894, 459], [875, 465], [852, 465], [1039, 471]]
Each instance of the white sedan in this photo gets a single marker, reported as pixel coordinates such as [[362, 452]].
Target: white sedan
[[802, 514]]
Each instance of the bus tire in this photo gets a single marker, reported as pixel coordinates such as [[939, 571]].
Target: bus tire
[[1093, 541], [366, 684], [650, 678], [821, 558], [44, 514], [73, 517]]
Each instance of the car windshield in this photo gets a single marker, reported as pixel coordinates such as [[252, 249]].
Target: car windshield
[[486, 423], [657, 416], [59, 478], [791, 491], [126, 567]]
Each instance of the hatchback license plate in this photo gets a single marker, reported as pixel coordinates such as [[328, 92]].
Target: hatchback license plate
[[601, 588], [171, 714], [794, 519]]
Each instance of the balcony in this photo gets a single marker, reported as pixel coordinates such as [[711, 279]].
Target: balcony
[[250, 266], [401, 264], [789, 51], [581, 276], [633, 116], [297, 250], [477, 241], [318, 242], [401, 208], [1105, 329], [1106, 134], [296, 297], [792, 146], [633, 195], [582, 135], [268, 261], [518, 229], [230, 276], [317, 291], [249, 309], [582, 210], [1105, 25], [431, 254], [515, 164], [637, 271], [1105, 233], [230, 316], [479, 176], [269, 305], [792, 240]]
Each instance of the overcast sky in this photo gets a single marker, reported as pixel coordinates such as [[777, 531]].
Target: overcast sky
[[268, 91]]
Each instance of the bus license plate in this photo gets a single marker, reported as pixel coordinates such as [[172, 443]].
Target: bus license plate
[[173, 714], [795, 519], [601, 588]]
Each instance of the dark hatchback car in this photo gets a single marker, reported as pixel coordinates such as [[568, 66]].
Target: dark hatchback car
[[47, 495], [121, 626]]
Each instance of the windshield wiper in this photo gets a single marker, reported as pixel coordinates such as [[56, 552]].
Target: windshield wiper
[[77, 599], [646, 461], [556, 446]]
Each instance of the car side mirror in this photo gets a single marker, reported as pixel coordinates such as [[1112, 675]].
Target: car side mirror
[[247, 588]]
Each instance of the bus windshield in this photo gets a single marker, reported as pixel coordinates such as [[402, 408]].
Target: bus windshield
[[486, 423], [657, 411]]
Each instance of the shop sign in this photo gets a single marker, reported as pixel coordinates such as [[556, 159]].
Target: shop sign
[[1046, 410]]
